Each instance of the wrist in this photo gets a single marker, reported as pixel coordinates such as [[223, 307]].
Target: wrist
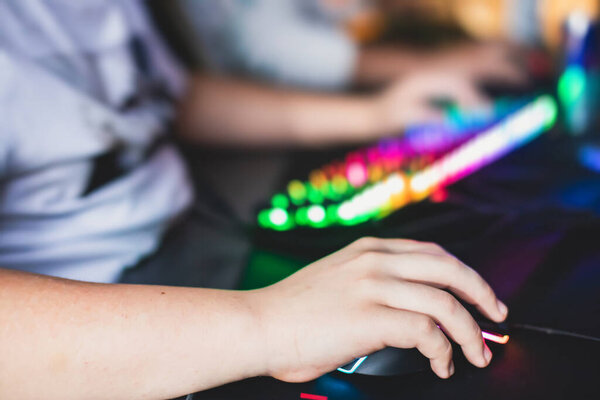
[[334, 119], [371, 121], [253, 333], [384, 117], [270, 331]]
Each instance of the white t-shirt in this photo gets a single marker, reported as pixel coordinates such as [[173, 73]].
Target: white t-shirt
[[68, 73], [282, 41]]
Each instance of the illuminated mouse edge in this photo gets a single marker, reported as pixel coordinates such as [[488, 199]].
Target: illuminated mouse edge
[[397, 190], [355, 366], [492, 337]]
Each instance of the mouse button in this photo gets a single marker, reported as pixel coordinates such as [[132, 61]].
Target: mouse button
[[392, 361]]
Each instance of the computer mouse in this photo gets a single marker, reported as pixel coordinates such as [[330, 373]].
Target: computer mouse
[[392, 361], [387, 362]]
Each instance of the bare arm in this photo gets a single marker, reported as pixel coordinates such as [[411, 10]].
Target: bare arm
[[228, 112], [222, 111], [62, 339], [381, 64]]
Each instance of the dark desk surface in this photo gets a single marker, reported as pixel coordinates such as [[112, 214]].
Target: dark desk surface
[[530, 224], [531, 366]]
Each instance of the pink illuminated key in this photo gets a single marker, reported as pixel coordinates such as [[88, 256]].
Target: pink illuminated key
[[312, 396]]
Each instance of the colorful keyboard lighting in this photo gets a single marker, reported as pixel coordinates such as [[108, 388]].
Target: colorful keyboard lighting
[[376, 181]]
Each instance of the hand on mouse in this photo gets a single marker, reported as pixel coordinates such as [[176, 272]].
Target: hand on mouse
[[409, 101], [372, 294]]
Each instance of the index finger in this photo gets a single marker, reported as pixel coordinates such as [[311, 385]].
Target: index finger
[[447, 272]]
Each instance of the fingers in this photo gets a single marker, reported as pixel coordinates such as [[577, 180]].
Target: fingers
[[424, 113], [408, 102], [507, 72], [447, 272], [454, 84], [504, 66], [494, 61], [404, 329], [419, 270], [466, 95], [502, 70], [396, 246], [393, 246], [443, 308], [431, 264]]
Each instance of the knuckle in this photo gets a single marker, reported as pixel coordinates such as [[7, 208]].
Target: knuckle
[[443, 348], [476, 332], [451, 305], [456, 265], [471, 333], [448, 304], [450, 265], [369, 258], [456, 270], [434, 247], [367, 288], [366, 242], [426, 326]]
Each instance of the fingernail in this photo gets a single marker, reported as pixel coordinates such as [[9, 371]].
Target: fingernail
[[487, 354], [502, 308], [451, 368]]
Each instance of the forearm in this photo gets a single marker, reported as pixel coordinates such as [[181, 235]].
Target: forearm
[[65, 339], [225, 112], [382, 64]]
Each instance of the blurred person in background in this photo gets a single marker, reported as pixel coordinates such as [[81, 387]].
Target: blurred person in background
[[281, 53], [91, 184], [318, 44], [297, 60]]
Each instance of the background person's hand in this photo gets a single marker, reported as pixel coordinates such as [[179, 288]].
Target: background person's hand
[[482, 62], [372, 294], [411, 100]]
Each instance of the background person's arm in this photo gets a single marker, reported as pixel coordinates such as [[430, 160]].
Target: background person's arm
[[226, 111], [229, 112]]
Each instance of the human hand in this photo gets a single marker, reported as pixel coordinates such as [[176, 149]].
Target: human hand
[[481, 61], [409, 101], [372, 294]]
